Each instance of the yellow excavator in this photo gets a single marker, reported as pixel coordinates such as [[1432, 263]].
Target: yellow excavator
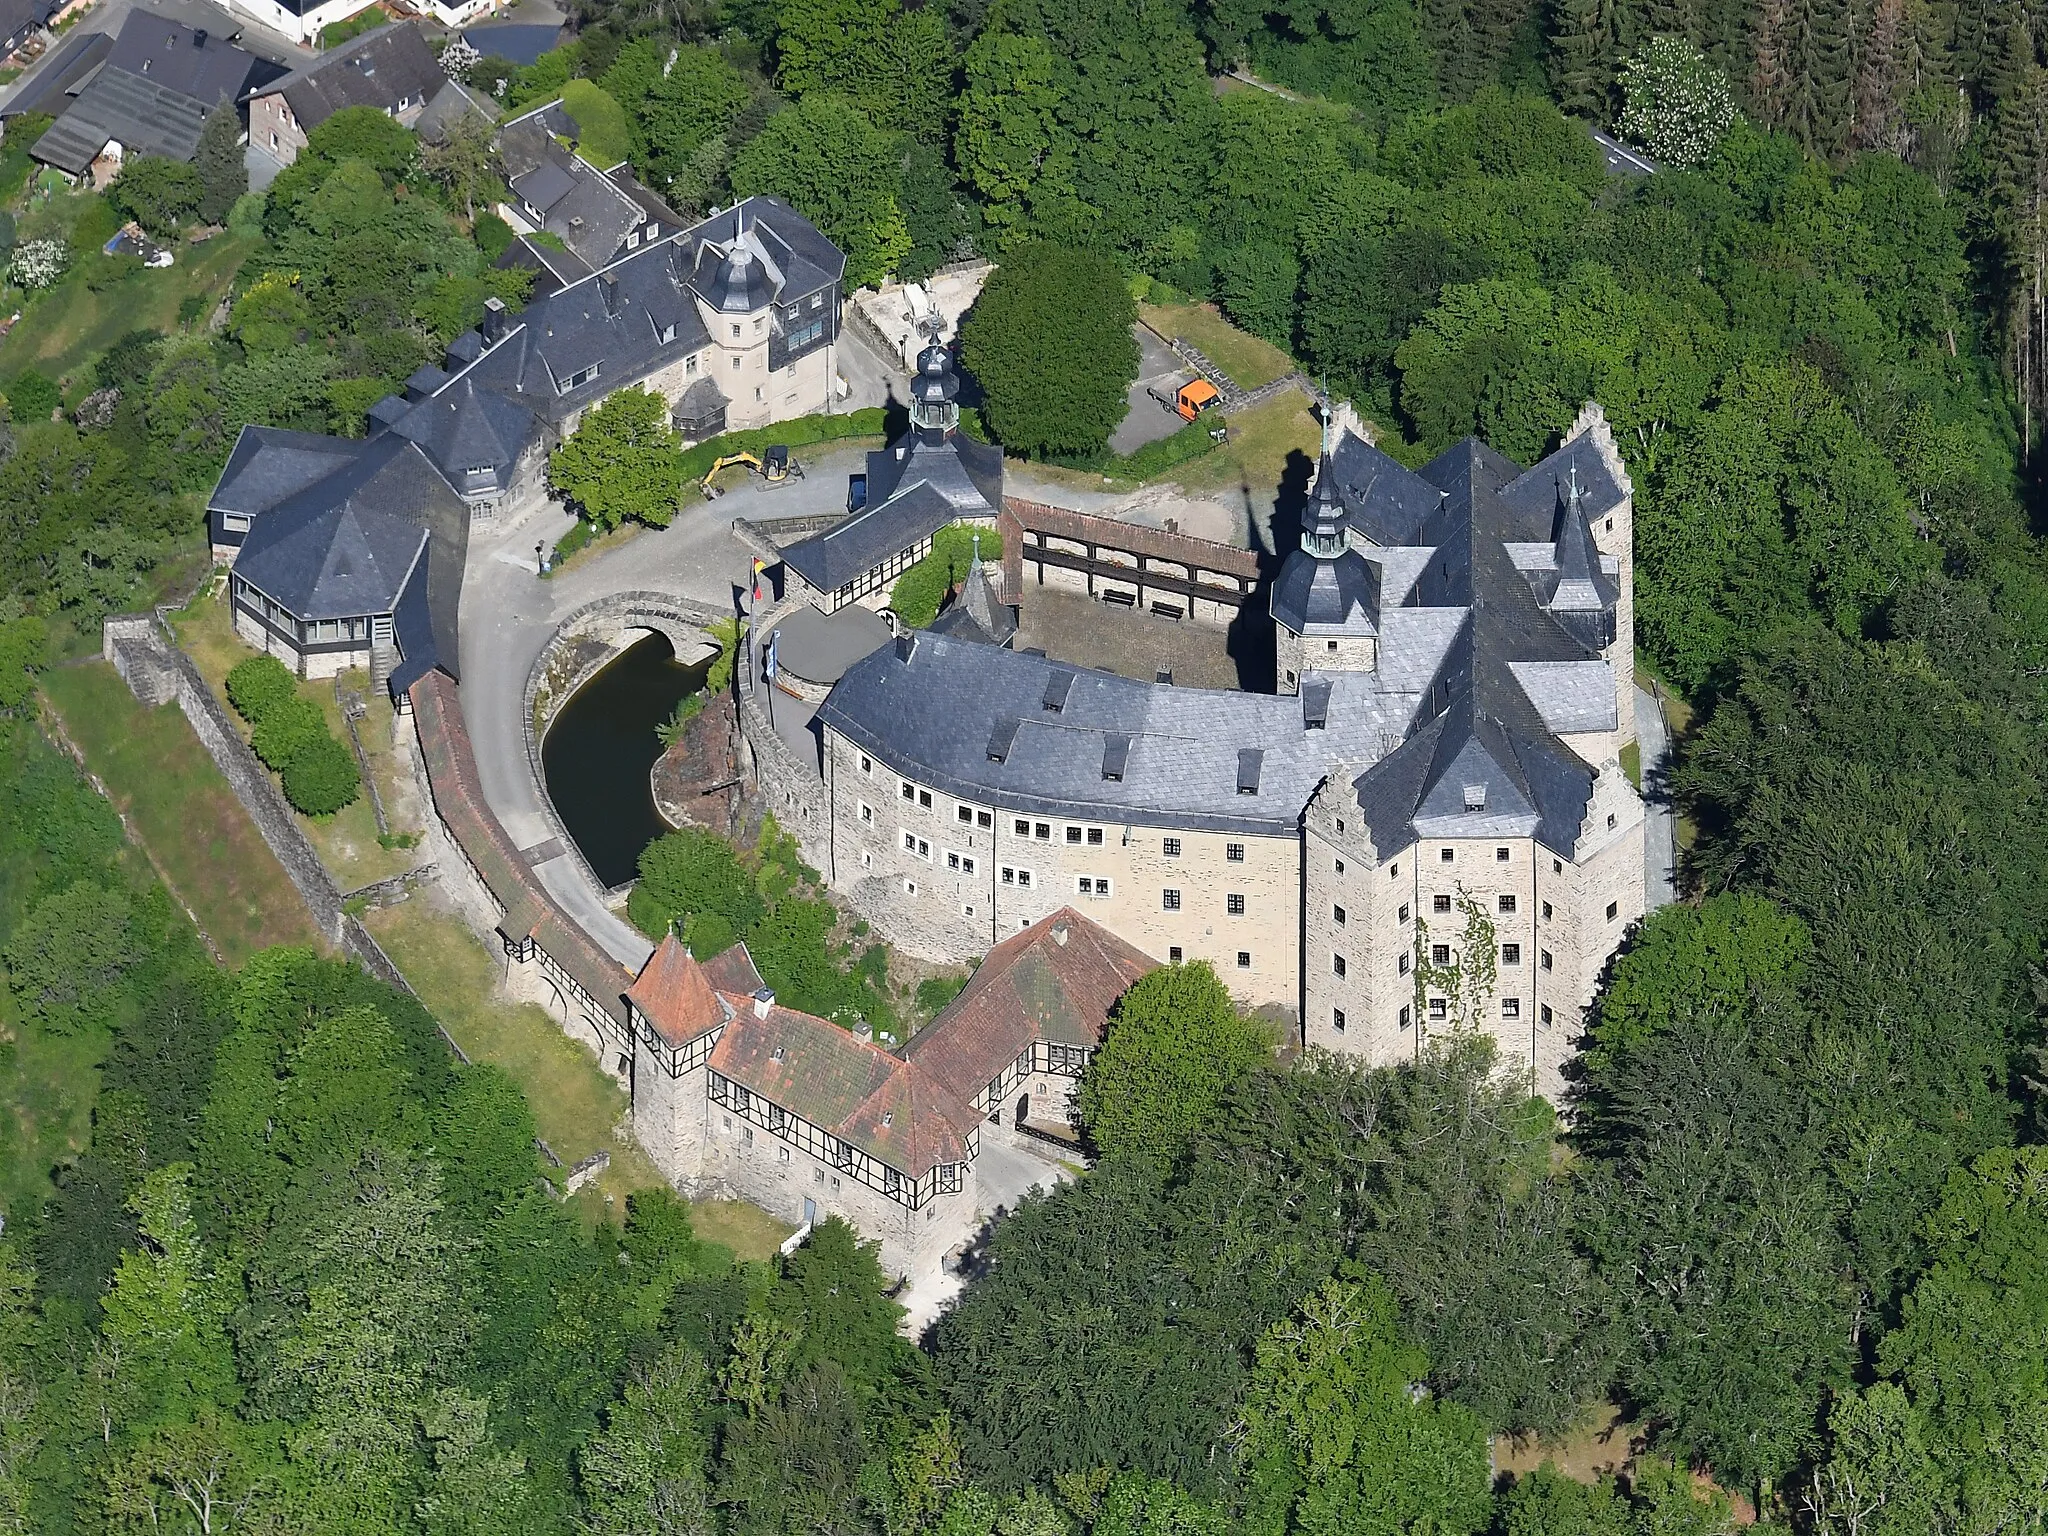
[[775, 467]]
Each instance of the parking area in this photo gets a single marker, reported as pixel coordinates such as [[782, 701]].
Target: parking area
[[1146, 420]]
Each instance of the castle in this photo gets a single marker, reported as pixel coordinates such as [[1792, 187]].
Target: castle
[[1428, 826]]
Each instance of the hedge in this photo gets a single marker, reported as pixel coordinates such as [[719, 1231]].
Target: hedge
[[322, 777], [285, 729], [257, 684], [800, 433]]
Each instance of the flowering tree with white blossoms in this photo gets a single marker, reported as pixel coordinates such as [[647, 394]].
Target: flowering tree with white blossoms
[[1678, 104], [459, 58], [37, 264]]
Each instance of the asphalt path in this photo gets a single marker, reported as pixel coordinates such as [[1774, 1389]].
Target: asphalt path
[[509, 614]]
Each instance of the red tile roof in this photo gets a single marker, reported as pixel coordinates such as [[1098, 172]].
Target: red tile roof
[[732, 970], [889, 1108], [675, 994], [1056, 981]]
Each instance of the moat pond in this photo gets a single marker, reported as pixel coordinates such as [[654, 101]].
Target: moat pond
[[601, 746]]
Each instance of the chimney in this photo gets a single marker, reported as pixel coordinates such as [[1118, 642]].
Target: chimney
[[493, 327], [906, 645], [864, 1031], [1059, 934], [608, 285], [199, 38], [763, 1001]]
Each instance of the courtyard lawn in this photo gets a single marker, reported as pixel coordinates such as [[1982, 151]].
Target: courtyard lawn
[[1248, 360], [63, 330], [1262, 440], [196, 831], [347, 840], [576, 1108]]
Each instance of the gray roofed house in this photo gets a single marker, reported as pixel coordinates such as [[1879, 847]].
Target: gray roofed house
[[472, 436], [22, 19], [149, 96], [555, 190], [452, 102], [933, 475], [357, 566], [389, 68]]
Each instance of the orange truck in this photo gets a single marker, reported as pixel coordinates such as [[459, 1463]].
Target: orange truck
[[1190, 400]]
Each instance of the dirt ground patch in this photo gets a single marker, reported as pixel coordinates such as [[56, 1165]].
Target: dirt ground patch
[[694, 781], [1070, 627]]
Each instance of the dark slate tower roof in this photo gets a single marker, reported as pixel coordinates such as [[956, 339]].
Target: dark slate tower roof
[[1326, 586], [465, 428]]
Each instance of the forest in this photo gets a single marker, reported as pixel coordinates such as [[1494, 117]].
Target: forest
[[1792, 1221]]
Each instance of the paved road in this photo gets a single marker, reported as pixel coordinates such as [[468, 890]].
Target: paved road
[[508, 616], [1659, 830], [1147, 420]]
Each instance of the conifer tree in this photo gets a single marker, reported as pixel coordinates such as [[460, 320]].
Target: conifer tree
[[223, 176], [1586, 52]]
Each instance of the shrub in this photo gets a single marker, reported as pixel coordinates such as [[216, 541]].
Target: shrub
[[322, 777], [1679, 105], [602, 137], [492, 235], [285, 729], [31, 397], [258, 683], [919, 590]]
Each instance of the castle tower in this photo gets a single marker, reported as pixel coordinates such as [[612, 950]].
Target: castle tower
[[1326, 602]]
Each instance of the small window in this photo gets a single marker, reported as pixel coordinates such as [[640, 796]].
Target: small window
[[1234, 852], [1173, 954], [1170, 847], [735, 337], [1445, 855], [1613, 909], [963, 814], [1511, 954], [1440, 903], [1331, 644], [907, 789], [1339, 866], [1337, 913], [1244, 959], [1337, 1020], [1020, 828], [986, 820], [1500, 855], [1610, 821], [1169, 900], [1394, 870], [1406, 1017], [867, 860], [1511, 1007], [1340, 823], [1439, 1008], [960, 863], [1557, 866], [1404, 912], [1074, 835], [1439, 954], [1234, 904], [1507, 903], [1042, 830], [1543, 958], [1544, 1013], [1401, 965], [1546, 911], [867, 764], [867, 814], [1337, 965], [924, 798], [1095, 837], [1097, 886], [913, 844]]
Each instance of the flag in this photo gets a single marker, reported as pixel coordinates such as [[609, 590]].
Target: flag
[[768, 666], [760, 565]]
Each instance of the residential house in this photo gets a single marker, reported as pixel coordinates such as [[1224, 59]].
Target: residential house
[[572, 219], [21, 20], [150, 95], [391, 69]]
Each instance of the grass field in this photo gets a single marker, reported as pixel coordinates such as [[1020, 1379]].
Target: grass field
[[347, 840], [158, 774], [48, 1085], [71, 325], [1248, 360], [577, 1109], [1261, 441]]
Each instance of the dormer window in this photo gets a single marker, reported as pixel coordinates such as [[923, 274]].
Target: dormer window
[[581, 377]]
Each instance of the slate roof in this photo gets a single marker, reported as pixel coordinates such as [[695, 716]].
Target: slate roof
[[378, 69], [332, 562], [18, 18], [978, 613], [269, 464], [574, 200], [1056, 981], [195, 62], [1491, 610], [63, 74], [789, 244], [464, 428], [449, 104], [147, 118]]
